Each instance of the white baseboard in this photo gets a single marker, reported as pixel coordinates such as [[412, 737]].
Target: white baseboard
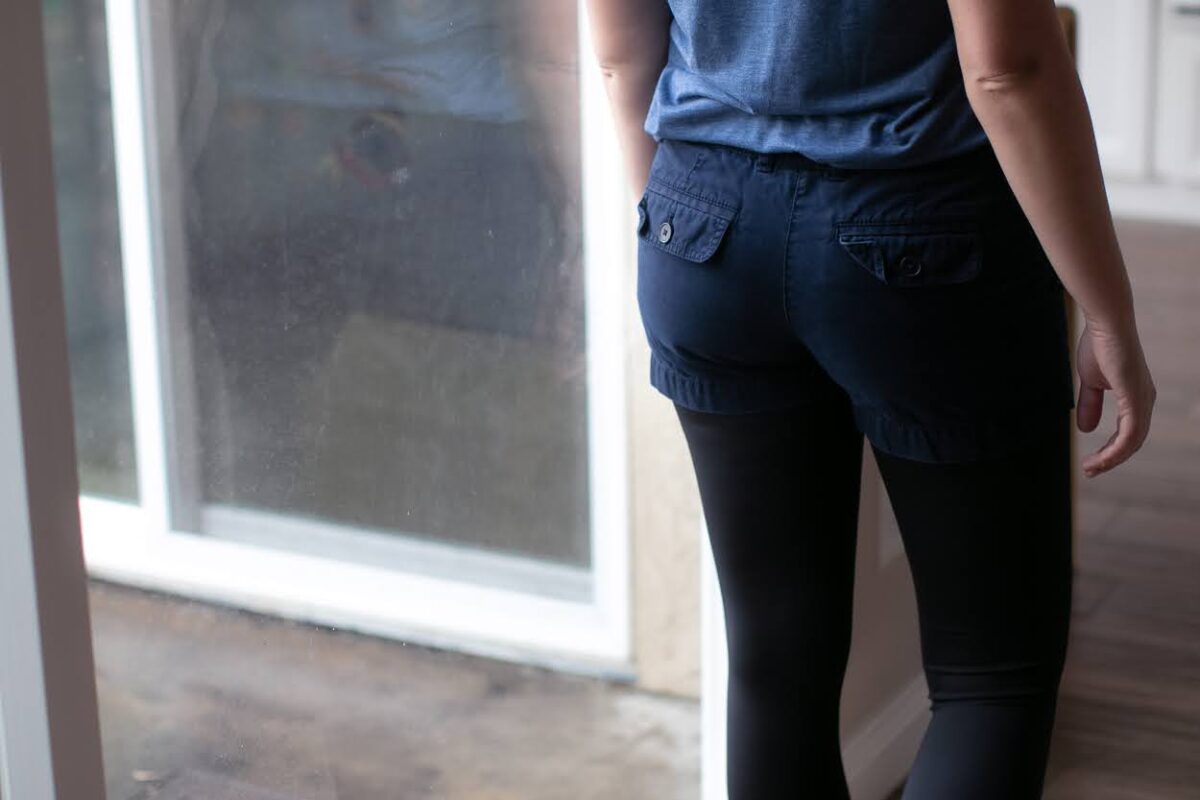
[[1155, 202]]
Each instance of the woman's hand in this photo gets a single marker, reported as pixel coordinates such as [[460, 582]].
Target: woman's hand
[[1025, 90], [1111, 359]]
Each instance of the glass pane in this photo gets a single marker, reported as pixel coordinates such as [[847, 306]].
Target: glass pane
[[373, 282], [90, 245], [385, 288]]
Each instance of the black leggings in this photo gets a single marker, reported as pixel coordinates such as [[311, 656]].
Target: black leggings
[[988, 543]]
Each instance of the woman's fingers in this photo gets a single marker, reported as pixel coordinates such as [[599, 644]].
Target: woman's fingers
[[1113, 363], [1091, 385], [1119, 447], [1089, 407], [1133, 425]]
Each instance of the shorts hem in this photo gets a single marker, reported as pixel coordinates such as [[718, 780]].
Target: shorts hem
[[932, 444], [743, 396]]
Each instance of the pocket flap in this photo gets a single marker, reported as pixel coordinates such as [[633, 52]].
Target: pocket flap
[[914, 253], [681, 223]]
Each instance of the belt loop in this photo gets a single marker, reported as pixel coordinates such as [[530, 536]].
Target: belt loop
[[764, 162]]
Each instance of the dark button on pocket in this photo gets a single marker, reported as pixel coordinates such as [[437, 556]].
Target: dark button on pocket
[[914, 252], [910, 266], [685, 225]]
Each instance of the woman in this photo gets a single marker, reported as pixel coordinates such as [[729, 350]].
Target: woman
[[859, 218]]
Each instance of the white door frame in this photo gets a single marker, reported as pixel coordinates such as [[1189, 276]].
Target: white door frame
[[49, 724]]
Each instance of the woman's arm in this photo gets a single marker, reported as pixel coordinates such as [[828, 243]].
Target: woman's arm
[[546, 61], [1025, 91], [630, 38]]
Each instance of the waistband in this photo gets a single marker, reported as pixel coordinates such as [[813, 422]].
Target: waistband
[[979, 157]]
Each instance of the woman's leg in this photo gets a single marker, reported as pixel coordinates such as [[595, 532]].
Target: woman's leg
[[780, 492], [989, 544]]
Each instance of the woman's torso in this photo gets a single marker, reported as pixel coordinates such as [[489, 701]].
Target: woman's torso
[[852, 83]]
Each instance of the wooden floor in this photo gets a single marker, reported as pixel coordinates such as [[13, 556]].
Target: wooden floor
[[1128, 724], [195, 697], [204, 702]]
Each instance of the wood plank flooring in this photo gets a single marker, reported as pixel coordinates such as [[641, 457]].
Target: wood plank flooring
[[213, 692], [1128, 725], [1128, 722]]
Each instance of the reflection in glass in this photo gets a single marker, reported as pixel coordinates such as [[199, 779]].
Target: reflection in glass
[[384, 280], [89, 245]]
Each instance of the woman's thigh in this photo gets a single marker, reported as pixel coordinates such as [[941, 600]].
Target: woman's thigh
[[989, 545], [780, 494]]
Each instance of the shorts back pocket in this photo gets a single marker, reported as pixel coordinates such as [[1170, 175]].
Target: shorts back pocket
[[682, 223], [914, 253]]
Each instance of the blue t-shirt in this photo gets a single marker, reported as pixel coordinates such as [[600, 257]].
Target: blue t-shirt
[[852, 83]]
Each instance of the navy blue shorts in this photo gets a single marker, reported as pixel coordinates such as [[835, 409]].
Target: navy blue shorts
[[919, 295]]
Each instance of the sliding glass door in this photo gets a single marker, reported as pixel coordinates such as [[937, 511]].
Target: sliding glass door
[[378, 319], [76, 40], [342, 301], [344, 286]]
